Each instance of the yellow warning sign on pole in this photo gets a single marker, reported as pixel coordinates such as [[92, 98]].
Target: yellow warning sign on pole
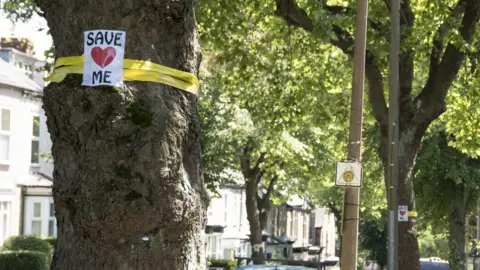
[[349, 174]]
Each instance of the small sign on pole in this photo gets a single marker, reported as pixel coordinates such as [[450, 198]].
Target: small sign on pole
[[349, 174], [403, 213], [103, 58]]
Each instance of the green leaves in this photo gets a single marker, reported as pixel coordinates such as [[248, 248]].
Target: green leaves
[[463, 113], [441, 171], [20, 10], [296, 103], [293, 92]]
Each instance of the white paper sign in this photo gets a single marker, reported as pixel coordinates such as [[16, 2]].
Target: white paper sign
[[349, 174], [103, 53], [403, 213]]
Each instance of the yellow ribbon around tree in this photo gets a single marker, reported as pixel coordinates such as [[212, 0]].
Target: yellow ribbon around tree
[[133, 70]]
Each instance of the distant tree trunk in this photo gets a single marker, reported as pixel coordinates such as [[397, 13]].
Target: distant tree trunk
[[253, 217], [257, 206], [128, 187], [456, 240]]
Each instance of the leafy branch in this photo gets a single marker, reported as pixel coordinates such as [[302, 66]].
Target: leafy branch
[[295, 16]]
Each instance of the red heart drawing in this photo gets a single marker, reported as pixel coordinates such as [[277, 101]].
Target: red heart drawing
[[402, 212], [103, 57]]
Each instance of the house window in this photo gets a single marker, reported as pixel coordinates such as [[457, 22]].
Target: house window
[[304, 226], [226, 209], [290, 216], [234, 210], [40, 216], [52, 221], [4, 220], [213, 245], [5, 135], [295, 224], [35, 140], [37, 219], [37, 227]]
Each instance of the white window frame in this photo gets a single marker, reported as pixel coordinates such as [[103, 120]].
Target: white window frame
[[217, 239], [45, 217], [305, 230], [2, 213], [35, 139], [51, 218], [290, 222], [225, 213], [235, 209], [295, 224], [6, 133], [34, 218]]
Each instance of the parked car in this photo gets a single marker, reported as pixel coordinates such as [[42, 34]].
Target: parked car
[[425, 265]]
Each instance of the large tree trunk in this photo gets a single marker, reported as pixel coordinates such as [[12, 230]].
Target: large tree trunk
[[456, 239], [128, 188], [409, 144]]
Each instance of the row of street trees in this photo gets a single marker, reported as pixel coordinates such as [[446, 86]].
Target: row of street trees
[[274, 106], [435, 42]]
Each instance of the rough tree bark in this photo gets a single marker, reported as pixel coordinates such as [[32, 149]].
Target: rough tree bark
[[417, 113], [128, 188], [253, 217], [257, 206], [457, 231]]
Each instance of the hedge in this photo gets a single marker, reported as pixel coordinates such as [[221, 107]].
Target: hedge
[[23, 260], [52, 241], [30, 243], [225, 264], [27, 242]]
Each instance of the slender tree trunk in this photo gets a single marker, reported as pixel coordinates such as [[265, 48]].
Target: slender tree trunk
[[128, 188], [257, 207], [456, 240]]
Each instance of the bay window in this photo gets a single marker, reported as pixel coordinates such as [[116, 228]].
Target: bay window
[[40, 216]]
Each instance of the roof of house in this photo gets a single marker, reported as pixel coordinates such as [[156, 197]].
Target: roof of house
[[36, 180], [11, 76], [32, 58]]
